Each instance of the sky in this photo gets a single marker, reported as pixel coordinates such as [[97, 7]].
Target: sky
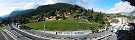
[[107, 6]]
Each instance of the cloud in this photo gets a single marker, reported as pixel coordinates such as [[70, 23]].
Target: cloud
[[5, 11], [6, 7], [62, 1], [31, 5], [97, 9], [85, 1], [121, 7]]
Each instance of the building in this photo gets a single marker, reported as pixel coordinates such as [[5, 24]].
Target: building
[[68, 15], [133, 21], [120, 23], [52, 18], [108, 17]]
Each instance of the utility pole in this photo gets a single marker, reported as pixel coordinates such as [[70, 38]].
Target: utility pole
[[71, 35], [44, 31], [105, 31]]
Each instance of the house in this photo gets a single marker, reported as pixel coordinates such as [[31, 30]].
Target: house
[[68, 15], [108, 17], [133, 21], [83, 15], [59, 18], [52, 17], [90, 18], [45, 18]]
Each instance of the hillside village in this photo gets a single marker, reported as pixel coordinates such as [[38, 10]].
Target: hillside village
[[68, 12]]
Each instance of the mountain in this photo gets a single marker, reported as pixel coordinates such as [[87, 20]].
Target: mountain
[[121, 7], [56, 6], [22, 12], [129, 14], [5, 16], [45, 9], [132, 13]]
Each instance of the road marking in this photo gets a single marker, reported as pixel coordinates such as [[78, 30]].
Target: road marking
[[4, 35], [9, 33]]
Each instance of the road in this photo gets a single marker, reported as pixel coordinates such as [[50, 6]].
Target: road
[[28, 35], [18, 36], [53, 36], [113, 37], [15, 35], [1, 36], [5, 36]]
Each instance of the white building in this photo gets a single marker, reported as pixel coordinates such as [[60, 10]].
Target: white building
[[133, 21], [120, 23]]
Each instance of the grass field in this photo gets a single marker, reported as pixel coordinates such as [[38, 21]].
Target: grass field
[[63, 25], [2, 27]]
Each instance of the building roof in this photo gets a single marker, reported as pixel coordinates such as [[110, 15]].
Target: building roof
[[115, 21]]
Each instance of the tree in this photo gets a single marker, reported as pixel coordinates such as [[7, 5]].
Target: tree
[[94, 16], [89, 12]]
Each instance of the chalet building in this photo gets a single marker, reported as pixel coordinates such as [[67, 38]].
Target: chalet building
[[108, 17], [52, 17], [90, 18], [133, 21], [77, 17], [58, 15], [68, 15], [82, 15], [34, 20]]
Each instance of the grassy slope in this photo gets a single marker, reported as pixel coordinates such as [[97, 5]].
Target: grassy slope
[[63, 25], [2, 27]]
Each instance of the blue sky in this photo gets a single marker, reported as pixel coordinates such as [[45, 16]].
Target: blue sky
[[7, 6], [104, 4]]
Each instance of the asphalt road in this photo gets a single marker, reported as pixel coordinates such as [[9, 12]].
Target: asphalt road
[[113, 37], [53, 36], [5, 36], [26, 35], [100, 34], [1, 36], [43, 34], [18, 35]]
